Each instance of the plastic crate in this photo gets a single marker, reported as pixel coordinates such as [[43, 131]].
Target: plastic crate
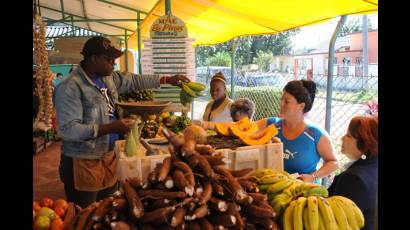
[[135, 166], [255, 157]]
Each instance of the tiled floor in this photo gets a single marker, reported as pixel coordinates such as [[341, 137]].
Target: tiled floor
[[46, 181]]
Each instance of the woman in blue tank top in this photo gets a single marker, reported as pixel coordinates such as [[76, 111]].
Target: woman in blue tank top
[[304, 143]]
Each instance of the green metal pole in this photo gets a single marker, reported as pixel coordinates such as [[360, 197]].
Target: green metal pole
[[72, 25], [139, 43], [167, 6], [330, 73], [126, 51], [62, 8], [234, 46]]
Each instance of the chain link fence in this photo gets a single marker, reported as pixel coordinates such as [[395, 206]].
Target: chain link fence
[[350, 93]]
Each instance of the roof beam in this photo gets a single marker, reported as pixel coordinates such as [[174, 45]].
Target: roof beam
[[62, 9], [55, 10], [85, 13], [122, 6], [94, 20]]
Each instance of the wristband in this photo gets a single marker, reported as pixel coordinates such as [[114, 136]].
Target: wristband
[[164, 79]]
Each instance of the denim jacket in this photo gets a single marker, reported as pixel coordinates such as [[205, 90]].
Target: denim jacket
[[81, 108]]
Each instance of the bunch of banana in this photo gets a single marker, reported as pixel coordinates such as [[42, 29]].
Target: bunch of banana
[[282, 188], [189, 91], [317, 213]]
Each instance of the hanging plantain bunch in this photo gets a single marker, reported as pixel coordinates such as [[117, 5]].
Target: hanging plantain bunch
[[43, 74]]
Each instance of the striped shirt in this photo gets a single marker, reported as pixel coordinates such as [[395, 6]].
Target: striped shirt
[[300, 154]]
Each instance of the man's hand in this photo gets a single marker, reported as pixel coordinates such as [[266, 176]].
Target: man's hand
[[121, 126], [176, 80]]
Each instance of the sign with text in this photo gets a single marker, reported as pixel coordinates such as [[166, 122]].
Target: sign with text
[[169, 51]]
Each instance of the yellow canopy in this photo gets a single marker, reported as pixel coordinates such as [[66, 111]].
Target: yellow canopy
[[216, 21]]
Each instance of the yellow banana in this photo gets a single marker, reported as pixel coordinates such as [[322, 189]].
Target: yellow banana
[[321, 224], [196, 86], [288, 216], [348, 210], [271, 179], [313, 212], [316, 191], [297, 213], [306, 219], [340, 216], [281, 185], [263, 172], [327, 214], [188, 90], [357, 212]]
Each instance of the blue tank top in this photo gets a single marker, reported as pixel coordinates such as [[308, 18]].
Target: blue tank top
[[300, 154]]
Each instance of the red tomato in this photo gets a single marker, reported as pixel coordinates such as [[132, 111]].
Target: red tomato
[[47, 202], [59, 211], [61, 203], [57, 224], [36, 206]]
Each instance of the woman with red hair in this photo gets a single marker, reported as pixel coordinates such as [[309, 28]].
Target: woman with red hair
[[359, 181]]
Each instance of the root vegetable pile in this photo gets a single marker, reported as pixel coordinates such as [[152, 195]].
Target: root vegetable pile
[[44, 75], [203, 195]]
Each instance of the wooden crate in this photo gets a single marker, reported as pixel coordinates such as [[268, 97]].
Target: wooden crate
[[256, 157], [135, 166]]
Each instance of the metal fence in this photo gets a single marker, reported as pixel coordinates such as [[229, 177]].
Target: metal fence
[[349, 97]]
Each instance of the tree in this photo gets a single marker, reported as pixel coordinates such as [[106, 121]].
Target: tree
[[248, 47], [220, 59], [263, 60], [354, 25]]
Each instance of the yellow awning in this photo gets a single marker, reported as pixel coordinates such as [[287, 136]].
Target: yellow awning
[[216, 21]]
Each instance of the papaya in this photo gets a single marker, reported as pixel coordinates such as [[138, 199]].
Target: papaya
[[222, 128], [258, 138], [243, 129]]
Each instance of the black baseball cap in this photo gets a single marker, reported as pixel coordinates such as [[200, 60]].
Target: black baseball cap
[[100, 45]]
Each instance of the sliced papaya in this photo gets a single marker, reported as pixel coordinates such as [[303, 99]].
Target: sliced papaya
[[261, 137], [222, 128]]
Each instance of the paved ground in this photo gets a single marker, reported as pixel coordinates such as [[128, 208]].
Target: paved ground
[[46, 181]]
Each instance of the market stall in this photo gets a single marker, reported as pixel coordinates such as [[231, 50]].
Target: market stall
[[175, 175]]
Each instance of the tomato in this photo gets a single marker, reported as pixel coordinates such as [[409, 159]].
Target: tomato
[[36, 206], [47, 202], [57, 224], [59, 211], [61, 203]]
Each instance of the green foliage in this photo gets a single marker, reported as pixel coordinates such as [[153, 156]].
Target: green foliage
[[353, 25], [263, 60], [248, 47], [220, 59], [266, 99]]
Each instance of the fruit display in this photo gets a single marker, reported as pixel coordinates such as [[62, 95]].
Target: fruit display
[[189, 91], [303, 205], [248, 132], [49, 214], [175, 123], [191, 189], [139, 95], [282, 188], [314, 212], [44, 76]]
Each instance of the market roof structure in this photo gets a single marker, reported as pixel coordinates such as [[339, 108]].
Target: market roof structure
[[208, 21]]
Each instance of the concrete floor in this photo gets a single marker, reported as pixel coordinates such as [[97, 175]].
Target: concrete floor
[[46, 180]]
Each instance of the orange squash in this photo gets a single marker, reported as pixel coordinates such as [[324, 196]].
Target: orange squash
[[222, 128], [259, 138]]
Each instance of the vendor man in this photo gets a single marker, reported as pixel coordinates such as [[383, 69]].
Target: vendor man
[[89, 122]]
